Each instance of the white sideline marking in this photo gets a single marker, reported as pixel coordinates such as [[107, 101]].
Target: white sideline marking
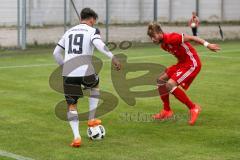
[[27, 66], [133, 58], [12, 155]]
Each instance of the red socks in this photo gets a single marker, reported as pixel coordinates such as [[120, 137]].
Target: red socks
[[165, 97], [178, 93], [182, 97]]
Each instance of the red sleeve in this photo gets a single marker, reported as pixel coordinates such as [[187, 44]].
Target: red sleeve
[[173, 38]]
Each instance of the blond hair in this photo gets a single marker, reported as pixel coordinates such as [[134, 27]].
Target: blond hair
[[153, 28]]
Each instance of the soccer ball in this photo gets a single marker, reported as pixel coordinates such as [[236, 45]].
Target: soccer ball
[[193, 25], [96, 133]]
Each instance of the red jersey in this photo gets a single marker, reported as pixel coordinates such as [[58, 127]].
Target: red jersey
[[183, 51], [194, 19], [188, 65]]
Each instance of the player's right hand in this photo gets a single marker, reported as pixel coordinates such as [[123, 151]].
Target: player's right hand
[[213, 47], [116, 63]]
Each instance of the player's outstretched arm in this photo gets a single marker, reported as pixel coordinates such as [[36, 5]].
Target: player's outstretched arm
[[100, 45], [210, 46], [57, 53]]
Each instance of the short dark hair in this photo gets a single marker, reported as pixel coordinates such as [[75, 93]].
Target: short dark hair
[[87, 13], [153, 28]]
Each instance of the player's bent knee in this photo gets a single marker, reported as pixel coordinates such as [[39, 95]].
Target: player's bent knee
[[160, 81], [71, 100], [164, 88]]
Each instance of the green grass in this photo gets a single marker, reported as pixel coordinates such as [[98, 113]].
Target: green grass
[[29, 127]]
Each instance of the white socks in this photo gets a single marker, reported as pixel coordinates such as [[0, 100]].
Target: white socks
[[93, 102], [73, 115], [74, 123]]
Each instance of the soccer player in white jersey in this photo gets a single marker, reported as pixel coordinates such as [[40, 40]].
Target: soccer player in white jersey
[[78, 44]]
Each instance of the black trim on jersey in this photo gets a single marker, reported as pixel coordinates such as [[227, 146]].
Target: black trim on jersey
[[97, 31], [95, 38], [61, 46]]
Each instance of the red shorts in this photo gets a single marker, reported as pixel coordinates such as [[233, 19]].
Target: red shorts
[[183, 73]]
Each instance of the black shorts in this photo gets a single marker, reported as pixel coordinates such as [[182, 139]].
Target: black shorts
[[73, 86], [194, 31]]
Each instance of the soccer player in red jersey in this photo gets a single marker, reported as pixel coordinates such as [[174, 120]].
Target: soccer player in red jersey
[[194, 23], [181, 74]]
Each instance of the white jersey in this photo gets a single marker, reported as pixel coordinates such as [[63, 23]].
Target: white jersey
[[77, 43]]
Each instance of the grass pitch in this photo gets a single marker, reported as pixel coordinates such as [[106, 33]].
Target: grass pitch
[[29, 127]]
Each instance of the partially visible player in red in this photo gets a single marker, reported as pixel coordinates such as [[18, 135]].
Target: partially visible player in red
[[193, 23], [181, 74]]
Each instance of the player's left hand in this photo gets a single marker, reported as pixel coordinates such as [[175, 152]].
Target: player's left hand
[[214, 47]]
